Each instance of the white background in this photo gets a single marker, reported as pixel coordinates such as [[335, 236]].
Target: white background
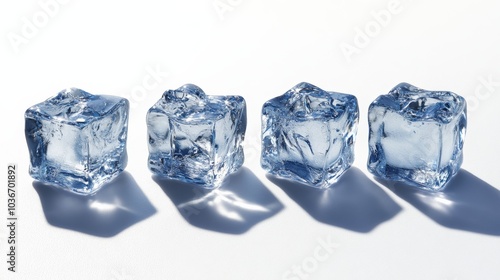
[[253, 228]]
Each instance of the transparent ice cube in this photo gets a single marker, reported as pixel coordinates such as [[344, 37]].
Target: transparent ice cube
[[196, 138], [417, 136], [77, 140], [308, 135]]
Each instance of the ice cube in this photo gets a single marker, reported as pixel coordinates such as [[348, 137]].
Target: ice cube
[[196, 138], [308, 135], [417, 136], [77, 140]]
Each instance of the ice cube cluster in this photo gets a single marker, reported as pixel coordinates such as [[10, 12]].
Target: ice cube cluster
[[77, 141]]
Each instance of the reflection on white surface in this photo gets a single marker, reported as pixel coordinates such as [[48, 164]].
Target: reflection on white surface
[[108, 207], [441, 203], [437, 201], [354, 202], [115, 207], [102, 207], [467, 203], [225, 203], [239, 204]]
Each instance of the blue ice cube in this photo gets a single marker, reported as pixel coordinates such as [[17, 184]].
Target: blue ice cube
[[196, 138], [308, 135], [77, 140], [417, 136]]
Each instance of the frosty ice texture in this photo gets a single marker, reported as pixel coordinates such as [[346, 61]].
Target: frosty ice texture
[[77, 140], [308, 135], [196, 138], [417, 136]]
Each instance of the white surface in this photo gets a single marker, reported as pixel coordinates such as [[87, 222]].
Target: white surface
[[259, 50]]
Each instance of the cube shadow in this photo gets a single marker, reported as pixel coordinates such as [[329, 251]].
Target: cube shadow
[[117, 206], [354, 202], [239, 204], [467, 203]]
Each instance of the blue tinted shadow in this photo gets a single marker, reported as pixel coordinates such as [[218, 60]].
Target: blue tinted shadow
[[354, 202], [467, 203], [239, 204], [115, 207]]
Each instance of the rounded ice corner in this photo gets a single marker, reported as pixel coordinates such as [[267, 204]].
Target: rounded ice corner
[[125, 102], [387, 100], [352, 98], [404, 87], [352, 102], [183, 93], [71, 94], [463, 104], [192, 89], [273, 102], [237, 101], [151, 110], [240, 99], [302, 88], [304, 85], [28, 113], [165, 94]]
